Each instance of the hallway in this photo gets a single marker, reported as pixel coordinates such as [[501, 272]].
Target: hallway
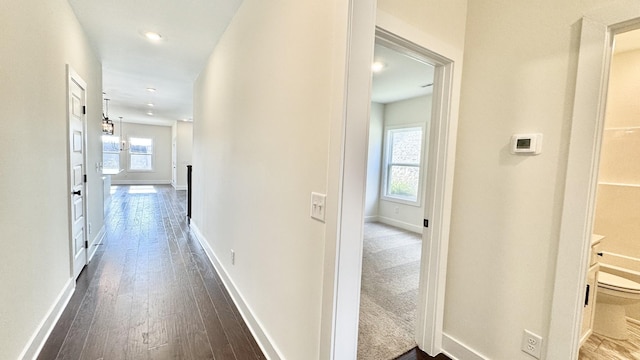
[[150, 292]]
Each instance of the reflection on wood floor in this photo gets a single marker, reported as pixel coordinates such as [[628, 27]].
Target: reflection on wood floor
[[150, 292], [599, 347]]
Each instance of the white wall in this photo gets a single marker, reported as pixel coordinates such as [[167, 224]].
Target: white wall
[[37, 40], [161, 136], [407, 112], [374, 162], [183, 138], [262, 115], [519, 76]]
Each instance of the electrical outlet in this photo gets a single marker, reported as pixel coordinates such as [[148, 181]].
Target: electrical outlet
[[233, 257], [531, 344]]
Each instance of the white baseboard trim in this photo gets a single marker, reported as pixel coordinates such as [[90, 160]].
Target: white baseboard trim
[[459, 351], [254, 325], [180, 187], [40, 336], [400, 224], [93, 245], [140, 182], [372, 218]]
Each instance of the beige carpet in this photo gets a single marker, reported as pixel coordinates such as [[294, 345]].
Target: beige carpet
[[390, 274]]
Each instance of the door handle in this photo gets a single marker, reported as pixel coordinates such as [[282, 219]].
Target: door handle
[[78, 192]]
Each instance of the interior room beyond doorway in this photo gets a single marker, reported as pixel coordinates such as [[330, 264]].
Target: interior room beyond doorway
[[401, 100]]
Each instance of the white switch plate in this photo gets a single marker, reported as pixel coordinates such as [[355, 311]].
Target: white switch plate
[[318, 206]]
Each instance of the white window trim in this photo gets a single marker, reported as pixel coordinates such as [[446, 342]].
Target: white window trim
[[153, 155], [385, 165]]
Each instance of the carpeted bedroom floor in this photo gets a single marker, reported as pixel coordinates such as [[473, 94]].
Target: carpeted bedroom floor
[[390, 275]]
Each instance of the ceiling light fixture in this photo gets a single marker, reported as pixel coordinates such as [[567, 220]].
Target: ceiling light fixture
[[150, 89], [153, 36], [377, 66], [107, 125], [150, 104], [150, 113]]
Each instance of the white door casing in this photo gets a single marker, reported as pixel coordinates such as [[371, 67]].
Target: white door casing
[[77, 170]]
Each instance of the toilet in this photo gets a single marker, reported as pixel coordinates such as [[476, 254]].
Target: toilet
[[614, 293]]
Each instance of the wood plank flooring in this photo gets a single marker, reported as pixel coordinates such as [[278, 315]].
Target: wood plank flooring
[[150, 291]]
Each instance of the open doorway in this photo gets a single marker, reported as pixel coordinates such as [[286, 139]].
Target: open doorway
[[576, 228], [401, 98], [610, 327]]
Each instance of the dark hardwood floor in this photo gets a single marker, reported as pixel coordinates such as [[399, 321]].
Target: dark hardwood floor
[[150, 291], [417, 354]]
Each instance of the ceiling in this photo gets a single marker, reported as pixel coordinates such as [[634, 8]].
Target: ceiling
[[131, 63], [401, 78], [190, 29]]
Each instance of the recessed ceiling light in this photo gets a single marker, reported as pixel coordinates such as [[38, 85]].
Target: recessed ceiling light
[[150, 113], [153, 36], [150, 89], [150, 104], [377, 66]]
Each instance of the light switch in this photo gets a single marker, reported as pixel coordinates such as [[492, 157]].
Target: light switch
[[318, 206]]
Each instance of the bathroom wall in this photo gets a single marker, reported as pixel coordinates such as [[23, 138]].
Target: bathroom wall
[[618, 199]]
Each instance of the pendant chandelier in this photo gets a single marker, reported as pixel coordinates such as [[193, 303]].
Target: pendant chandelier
[[107, 125]]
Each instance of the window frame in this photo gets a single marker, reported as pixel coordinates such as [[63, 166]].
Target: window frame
[[387, 164], [151, 155]]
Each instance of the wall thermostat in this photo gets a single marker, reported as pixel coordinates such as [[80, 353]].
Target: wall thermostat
[[526, 144]]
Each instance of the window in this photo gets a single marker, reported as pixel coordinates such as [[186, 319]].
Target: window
[[110, 152], [140, 154], [402, 163]]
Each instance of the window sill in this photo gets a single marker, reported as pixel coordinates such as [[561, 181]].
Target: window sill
[[400, 201]]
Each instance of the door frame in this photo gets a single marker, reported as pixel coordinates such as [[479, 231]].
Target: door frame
[[593, 63], [347, 268], [73, 76]]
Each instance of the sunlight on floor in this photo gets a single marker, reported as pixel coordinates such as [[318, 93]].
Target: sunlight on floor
[[142, 189]]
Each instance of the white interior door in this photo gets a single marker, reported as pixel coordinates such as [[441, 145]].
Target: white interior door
[[174, 159], [77, 109]]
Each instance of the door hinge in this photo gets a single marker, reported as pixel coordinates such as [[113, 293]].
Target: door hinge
[[586, 296], [85, 177], [426, 223], [86, 244], [84, 109]]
